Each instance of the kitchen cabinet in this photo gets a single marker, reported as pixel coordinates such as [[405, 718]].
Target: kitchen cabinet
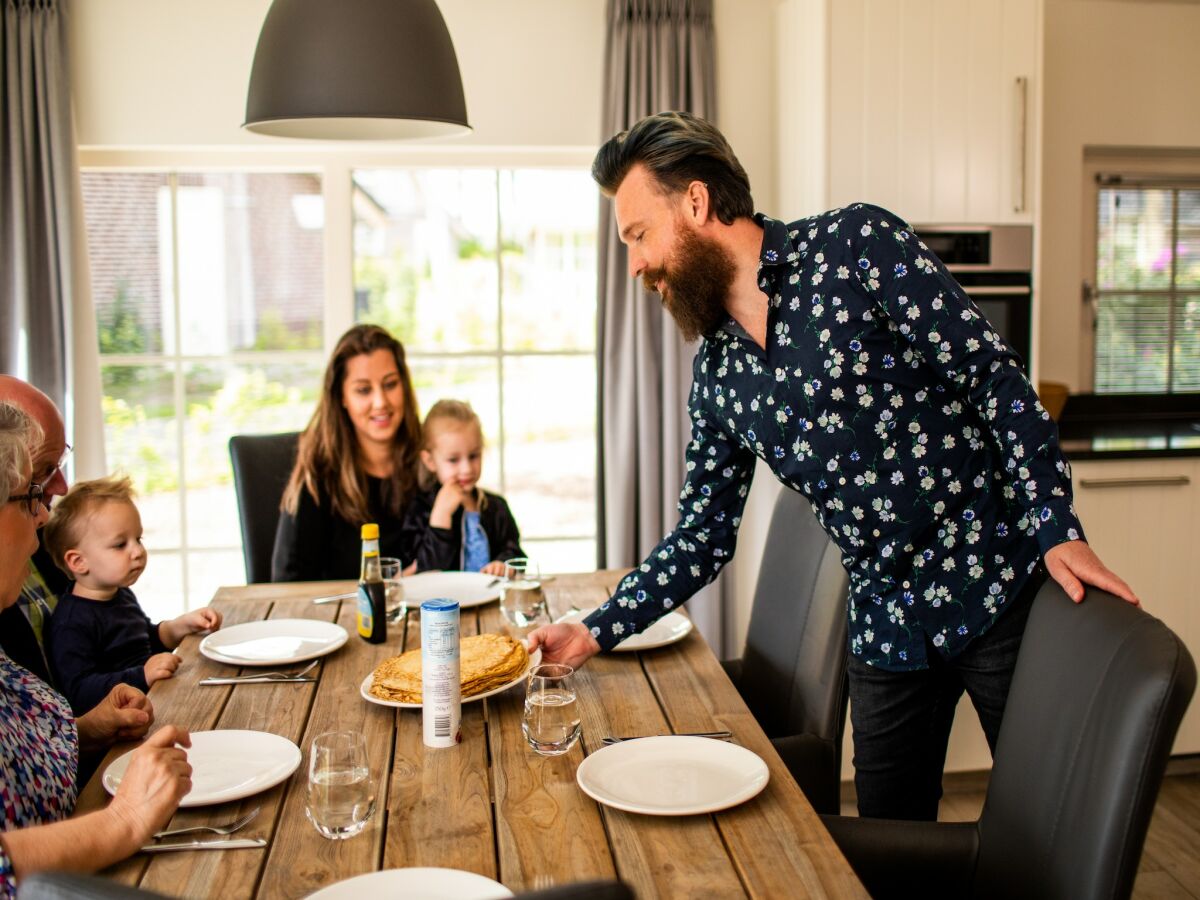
[[933, 107], [1142, 518]]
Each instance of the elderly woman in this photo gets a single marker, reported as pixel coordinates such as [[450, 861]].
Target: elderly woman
[[39, 737]]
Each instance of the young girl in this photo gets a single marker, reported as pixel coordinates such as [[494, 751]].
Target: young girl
[[452, 523]]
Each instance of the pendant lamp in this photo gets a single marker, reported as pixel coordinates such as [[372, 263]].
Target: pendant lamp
[[355, 70]]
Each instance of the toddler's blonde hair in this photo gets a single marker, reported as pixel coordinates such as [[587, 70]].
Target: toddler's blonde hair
[[65, 529]]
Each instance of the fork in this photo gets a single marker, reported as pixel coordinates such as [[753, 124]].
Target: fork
[[227, 828], [264, 676]]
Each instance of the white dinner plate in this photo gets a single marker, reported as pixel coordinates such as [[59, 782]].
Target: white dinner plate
[[672, 775], [468, 588], [415, 884], [273, 642], [365, 687], [670, 628], [226, 765]]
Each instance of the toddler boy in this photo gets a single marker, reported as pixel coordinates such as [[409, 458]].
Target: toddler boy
[[99, 636]]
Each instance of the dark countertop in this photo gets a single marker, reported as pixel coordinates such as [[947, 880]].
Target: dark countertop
[[1130, 426]]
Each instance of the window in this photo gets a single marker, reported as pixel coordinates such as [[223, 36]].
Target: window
[[216, 316], [488, 277], [1147, 286], [209, 298]]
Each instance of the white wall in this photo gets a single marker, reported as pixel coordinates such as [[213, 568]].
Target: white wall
[[1118, 73], [163, 73], [171, 72]]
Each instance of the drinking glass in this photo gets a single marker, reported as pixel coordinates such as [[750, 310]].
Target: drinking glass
[[551, 718], [341, 793], [522, 602], [389, 569]]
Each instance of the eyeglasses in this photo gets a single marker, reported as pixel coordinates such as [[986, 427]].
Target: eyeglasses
[[58, 467], [32, 500]]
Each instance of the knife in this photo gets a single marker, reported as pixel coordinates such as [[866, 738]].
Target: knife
[[217, 844], [334, 598], [256, 680], [716, 735]]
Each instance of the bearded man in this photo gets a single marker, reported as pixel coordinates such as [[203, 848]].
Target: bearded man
[[840, 351]]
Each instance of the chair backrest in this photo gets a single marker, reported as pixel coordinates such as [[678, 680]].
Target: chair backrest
[[262, 464], [793, 674], [1096, 698]]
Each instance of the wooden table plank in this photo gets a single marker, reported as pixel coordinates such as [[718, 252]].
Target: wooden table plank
[[660, 856], [300, 860], [280, 709], [776, 840], [177, 701], [548, 832], [439, 803]]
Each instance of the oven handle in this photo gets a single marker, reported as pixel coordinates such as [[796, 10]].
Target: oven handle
[[976, 290]]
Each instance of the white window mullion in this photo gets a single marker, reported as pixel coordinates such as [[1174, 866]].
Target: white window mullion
[[500, 334], [337, 186], [180, 394]]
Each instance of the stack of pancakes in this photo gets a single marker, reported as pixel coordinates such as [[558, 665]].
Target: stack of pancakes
[[486, 661]]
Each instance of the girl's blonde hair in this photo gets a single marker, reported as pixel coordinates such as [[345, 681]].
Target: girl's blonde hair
[[328, 461], [65, 529], [456, 412]]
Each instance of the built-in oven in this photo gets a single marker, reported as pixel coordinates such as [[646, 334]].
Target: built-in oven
[[994, 264]]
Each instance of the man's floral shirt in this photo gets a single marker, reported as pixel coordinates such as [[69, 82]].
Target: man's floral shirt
[[887, 399]]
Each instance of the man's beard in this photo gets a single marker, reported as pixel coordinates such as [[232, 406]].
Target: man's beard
[[695, 282]]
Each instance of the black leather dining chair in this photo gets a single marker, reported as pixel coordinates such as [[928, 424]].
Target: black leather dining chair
[[262, 464], [792, 673], [1096, 699]]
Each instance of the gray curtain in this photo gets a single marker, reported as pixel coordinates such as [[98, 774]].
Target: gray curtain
[[38, 196], [659, 56]]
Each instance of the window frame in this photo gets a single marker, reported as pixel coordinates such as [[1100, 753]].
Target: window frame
[[1140, 166]]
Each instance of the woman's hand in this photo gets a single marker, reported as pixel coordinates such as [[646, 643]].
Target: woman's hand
[[568, 643], [124, 715], [158, 777], [495, 567]]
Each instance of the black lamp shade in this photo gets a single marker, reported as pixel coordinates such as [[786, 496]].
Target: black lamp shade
[[355, 70]]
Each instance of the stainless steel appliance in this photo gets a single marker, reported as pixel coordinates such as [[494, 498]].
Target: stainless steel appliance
[[994, 264]]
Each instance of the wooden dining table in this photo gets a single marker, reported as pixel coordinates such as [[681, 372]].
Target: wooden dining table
[[489, 805]]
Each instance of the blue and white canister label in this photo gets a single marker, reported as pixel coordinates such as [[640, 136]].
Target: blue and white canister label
[[441, 687]]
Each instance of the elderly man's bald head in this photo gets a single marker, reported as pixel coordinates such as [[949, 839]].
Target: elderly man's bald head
[[43, 411]]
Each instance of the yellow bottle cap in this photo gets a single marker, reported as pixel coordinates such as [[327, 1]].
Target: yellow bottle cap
[[370, 532]]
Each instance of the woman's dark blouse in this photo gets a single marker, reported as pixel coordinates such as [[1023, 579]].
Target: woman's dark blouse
[[316, 545]]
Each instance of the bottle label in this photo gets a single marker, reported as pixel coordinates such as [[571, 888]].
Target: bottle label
[[366, 616]]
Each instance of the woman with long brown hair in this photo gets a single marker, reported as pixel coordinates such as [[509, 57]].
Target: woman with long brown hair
[[356, 462]]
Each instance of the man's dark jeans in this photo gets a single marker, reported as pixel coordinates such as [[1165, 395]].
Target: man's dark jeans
[[902, 719]]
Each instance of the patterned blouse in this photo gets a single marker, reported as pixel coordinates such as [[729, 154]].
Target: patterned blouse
[[887, 399], [39, 756]]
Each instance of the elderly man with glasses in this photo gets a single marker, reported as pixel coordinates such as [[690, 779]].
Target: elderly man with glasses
[[23, 625]]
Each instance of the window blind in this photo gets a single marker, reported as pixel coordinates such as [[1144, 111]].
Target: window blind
[[1148, 286]]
